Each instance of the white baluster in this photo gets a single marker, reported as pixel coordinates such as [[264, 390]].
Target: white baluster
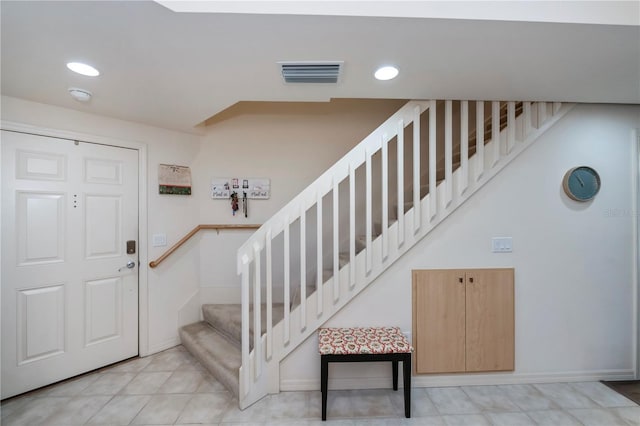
[[433, 205], [495, 131], [336, 240], [511, 125], [257, 314], [448, 152], [369, 208], [287, 281], [479, 139], [400, 140], [464, 147], [352, 226], [269, 290], [303, 268], [542, 113], [385, 195], [526, 117], [319, 263], [417, 215]]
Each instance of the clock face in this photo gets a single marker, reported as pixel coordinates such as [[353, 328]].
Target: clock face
[[581, 183]]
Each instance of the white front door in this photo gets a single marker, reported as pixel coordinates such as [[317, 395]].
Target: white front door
[[69, 301]]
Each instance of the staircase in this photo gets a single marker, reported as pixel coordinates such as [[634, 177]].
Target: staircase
[[345, 229], [215, 341]]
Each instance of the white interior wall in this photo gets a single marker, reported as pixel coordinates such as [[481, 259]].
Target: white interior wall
[[574, 263], [291, 148], [170, 284]]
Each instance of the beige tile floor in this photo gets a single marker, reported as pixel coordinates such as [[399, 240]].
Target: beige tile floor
[[172, 388]]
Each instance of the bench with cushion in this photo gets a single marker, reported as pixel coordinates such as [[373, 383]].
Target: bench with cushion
[[365, 344]]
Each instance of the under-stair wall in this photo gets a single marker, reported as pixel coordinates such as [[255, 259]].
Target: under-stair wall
[[384, 242], [574, 264], [376, 201]]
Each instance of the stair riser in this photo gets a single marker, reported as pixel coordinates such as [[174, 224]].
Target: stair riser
[[227, 319]]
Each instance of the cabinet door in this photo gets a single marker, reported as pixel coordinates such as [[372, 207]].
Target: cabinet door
[[490, 320], [439, 320]]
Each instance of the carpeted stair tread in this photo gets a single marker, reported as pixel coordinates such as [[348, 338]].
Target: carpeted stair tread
[[215, 351], [228, 319]]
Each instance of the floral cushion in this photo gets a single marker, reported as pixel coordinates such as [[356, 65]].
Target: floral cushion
[[362, 340]]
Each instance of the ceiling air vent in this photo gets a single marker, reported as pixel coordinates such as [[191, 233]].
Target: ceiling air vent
[[311, 72]]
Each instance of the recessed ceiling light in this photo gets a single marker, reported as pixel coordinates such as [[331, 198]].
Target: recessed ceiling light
[[386, 73], [83, 69], [80, 95]]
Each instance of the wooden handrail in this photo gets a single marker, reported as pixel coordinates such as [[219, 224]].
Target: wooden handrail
[[193, 232]]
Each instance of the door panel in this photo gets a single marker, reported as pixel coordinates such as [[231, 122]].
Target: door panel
[[103, 310], [490, 320], [41, 227], [68, 305], [440, 321], [40, 165], [103, 171], [103, 220], [41, 328]]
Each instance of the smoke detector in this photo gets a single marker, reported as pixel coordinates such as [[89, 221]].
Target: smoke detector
[[80, 95]]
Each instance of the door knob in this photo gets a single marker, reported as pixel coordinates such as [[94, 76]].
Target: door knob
[[130, 265]]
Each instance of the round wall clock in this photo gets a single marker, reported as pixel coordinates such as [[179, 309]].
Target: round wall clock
[[581, 183]]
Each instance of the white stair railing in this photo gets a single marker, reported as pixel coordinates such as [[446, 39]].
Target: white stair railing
[[385, 239]]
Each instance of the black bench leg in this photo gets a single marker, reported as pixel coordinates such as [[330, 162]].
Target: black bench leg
[[324, 378], [395, 375], [406, 380]]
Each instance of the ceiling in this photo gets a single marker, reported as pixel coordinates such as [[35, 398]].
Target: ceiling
[[176, 70]]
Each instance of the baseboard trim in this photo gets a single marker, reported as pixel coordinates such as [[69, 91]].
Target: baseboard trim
[[163, 346], [190, 311], [460, 380]]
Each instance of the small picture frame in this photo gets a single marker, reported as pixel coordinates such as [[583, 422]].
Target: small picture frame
[[174, 180]]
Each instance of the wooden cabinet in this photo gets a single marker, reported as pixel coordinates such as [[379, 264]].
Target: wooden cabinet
[[463, 320]]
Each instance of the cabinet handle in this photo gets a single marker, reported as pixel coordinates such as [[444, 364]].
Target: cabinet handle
[[471, 280], [460, 280]]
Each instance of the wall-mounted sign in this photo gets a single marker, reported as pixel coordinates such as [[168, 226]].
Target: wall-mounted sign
[[255, 188], [174, 179]]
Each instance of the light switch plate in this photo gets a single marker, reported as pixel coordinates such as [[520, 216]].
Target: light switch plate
[[502, 244], [159, 240]]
